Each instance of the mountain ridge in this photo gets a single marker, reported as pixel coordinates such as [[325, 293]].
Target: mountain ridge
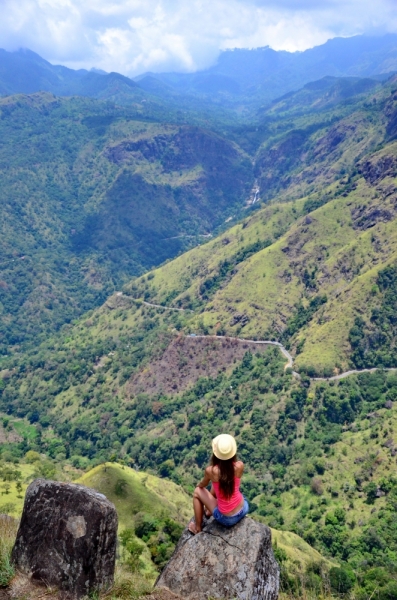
[[257, 76], [265, 73]]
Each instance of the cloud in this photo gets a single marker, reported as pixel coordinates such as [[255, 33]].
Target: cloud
[[132, 36]]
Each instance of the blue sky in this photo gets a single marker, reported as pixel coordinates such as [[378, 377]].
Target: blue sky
[[133, 36]]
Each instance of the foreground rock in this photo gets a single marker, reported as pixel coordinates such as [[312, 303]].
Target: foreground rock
[[220, 562], [67, 537]]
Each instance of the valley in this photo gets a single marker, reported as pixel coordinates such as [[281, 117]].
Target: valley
[[165, 278]]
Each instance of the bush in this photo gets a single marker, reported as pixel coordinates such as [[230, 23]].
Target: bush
[[145, 526], [316, 486], [341, 579], [31, 457], [45, 469], [132, 549], [371, 490]]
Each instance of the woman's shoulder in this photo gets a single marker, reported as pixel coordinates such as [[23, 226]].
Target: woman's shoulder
[[212, 472], [239, 468]]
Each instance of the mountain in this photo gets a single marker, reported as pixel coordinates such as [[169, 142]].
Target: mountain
[[240, 78], [171, 359], [151, 376], [263, 74], [114, 191], [25, 72], [97, 194]]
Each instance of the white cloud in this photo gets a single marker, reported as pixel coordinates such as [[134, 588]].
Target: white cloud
[[132, 36]]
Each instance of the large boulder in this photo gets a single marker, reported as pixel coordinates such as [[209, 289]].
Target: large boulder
[[221, 562], [67, 537]]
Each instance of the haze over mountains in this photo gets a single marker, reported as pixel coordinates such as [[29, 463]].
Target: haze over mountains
[[262, 74], [266, 74]]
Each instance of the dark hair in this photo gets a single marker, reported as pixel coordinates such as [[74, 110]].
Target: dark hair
[[226, 474]]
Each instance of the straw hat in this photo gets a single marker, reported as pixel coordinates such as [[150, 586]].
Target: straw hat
[[224, 446]]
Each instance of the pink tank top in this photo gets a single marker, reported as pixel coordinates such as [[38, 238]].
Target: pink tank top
[[226, 505]]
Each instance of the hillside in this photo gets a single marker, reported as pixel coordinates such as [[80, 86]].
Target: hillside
[[95, 195], [152, 513], [115, 191], [171, 359]]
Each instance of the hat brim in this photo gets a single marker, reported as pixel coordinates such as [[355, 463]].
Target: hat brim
[[218, 454]]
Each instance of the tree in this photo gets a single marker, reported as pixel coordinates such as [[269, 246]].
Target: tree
[[31, 457], [341, 579], [19, 489]]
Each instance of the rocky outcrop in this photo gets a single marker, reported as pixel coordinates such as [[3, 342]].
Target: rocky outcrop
[[378, 167], [67, 537], [220, 562]]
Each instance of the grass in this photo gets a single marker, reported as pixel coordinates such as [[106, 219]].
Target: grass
[[298, 552], [129, 585], [134, 492], [11, 502], [28, 432], [140, 492], [8, 530]]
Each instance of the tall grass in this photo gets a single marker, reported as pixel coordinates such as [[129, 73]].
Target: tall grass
[[129, 585], [8, 531]]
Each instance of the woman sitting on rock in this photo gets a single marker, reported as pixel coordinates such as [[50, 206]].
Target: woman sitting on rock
[[225, 501]]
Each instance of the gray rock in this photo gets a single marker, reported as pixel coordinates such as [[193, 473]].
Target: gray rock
[[235, 562], [67, 537]]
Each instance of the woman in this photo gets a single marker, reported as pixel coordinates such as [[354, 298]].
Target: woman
[[226, 503]]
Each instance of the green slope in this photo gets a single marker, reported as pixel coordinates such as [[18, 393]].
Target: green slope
[[114, 191], [141, 492], [94, 195], [318, 273]]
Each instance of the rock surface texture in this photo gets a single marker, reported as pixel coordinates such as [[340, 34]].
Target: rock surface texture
[[220, 562], [67, 537]]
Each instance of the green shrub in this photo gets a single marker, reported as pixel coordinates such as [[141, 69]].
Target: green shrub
[[342, 579]]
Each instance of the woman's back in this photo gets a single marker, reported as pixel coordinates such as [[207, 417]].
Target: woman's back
[[225, 501], [228, 504], [214, 472]]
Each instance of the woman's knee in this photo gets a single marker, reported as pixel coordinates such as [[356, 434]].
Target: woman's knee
[[196, 493]]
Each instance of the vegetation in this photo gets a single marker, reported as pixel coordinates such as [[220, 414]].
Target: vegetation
[[77, 222], [131, 380], [374, 345], [318, 459], [8, 531]]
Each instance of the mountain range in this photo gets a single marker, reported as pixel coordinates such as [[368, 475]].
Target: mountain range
[[240, 75], [278, 325], [265, 74]]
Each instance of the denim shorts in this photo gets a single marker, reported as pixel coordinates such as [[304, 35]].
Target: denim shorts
[[233, 519]]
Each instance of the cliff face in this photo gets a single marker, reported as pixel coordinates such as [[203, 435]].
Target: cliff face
[[221, 562]]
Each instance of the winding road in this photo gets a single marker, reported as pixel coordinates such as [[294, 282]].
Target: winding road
[[283, 350]]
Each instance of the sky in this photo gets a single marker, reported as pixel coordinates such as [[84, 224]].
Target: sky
[[134, 36]]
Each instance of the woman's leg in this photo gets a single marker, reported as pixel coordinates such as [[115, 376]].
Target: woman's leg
[[212, 492], [201, 498]]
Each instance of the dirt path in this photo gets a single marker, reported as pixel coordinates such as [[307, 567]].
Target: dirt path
[[283, 350], [352, 372], [139, 301]]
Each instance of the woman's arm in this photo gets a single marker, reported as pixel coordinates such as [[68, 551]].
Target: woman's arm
[[206, 479]]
